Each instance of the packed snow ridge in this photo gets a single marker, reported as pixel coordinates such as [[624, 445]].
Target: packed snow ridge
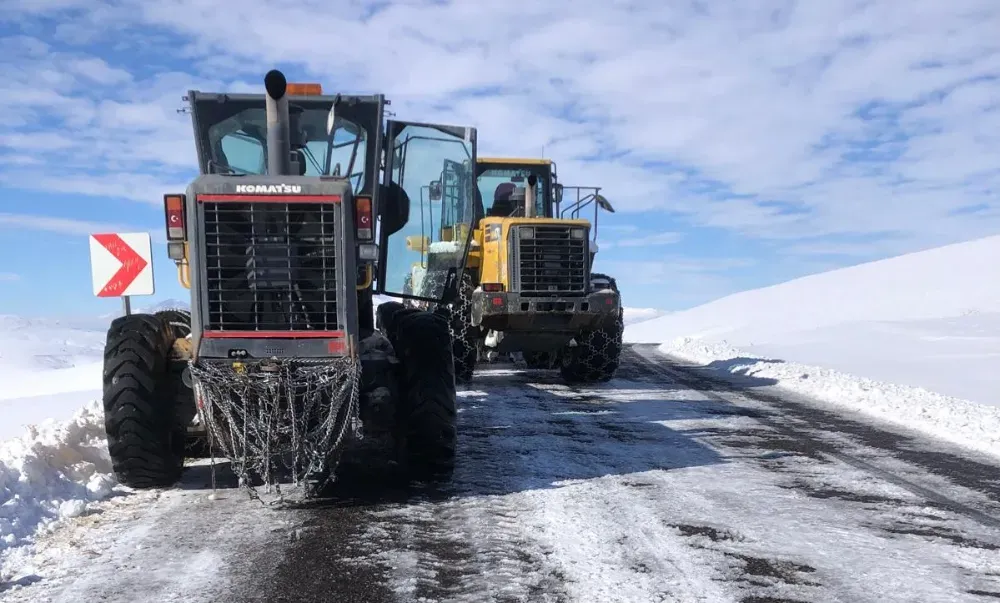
[[54, 471], [912, 339]]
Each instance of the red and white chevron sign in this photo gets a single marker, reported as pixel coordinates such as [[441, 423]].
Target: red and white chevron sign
[[121, 264]]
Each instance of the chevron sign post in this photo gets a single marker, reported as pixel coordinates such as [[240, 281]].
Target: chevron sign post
[[121, 265]]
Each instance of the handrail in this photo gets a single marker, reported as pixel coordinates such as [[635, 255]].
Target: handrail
[[585, 195]]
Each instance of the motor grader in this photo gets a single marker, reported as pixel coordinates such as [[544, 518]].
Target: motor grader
[[528, 286], [281, 365]]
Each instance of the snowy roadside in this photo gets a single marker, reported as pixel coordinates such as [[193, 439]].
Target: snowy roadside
[[969, 424], [56, 471]]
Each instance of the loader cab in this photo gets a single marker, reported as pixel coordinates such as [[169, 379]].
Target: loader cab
[[501, 182]]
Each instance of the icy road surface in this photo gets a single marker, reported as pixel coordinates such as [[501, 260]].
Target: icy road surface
[[659, 486]]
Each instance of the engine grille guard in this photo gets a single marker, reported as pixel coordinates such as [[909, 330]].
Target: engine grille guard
[[275, 417]]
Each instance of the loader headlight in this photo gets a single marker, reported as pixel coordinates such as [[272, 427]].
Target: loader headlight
[[368, 252], [578, 233], [175, 250], [526, 232]]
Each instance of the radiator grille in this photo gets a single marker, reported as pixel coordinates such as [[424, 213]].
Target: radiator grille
[[271, 266], [551, 262]]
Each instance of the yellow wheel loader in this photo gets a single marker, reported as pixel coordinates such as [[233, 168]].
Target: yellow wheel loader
[[528, 286]]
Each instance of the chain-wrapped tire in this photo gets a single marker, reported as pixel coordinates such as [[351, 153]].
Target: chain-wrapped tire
[[464, 336], [141, 411], [427, 409], [596, 356]]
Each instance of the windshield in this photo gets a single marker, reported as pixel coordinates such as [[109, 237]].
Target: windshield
[[496, 182], [237, 145]]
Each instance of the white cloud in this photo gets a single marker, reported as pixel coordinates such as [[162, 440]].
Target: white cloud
[[857, 117], [69, 226], [652, 240], [9, 277]]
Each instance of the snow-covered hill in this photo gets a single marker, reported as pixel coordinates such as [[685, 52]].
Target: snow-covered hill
[[946, 282], [634, 315], [48, 368], [872, 336]]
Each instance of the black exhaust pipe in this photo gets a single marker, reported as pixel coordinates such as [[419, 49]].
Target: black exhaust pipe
[[279, 146]]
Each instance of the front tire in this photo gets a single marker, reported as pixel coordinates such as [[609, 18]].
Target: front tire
[[428, 397], [597, 355], [141, 410]]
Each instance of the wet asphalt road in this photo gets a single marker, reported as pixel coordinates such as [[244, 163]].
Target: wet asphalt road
[[335, 558], [664, 485]]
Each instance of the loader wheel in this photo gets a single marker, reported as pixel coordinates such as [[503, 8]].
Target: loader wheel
[[145, 435], [464, 336], [596, 356], [428, 398]]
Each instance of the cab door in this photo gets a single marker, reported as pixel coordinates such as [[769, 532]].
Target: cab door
[[419, 258]]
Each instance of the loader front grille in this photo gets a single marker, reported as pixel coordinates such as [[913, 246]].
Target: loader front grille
[[551, 261], [271, 266]]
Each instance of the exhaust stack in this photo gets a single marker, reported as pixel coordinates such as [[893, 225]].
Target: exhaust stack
[[279, 146], [529, 196]]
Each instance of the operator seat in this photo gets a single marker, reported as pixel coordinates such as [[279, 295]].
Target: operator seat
[[503, 204]]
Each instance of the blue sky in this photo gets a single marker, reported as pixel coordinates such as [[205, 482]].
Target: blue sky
[[742, 146]]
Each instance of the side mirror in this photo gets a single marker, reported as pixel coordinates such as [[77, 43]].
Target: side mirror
[[394, 208], [604, 203], [435, 190], [558, 193], [331, 119]]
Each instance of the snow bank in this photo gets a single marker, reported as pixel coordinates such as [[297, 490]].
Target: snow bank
[[53, 472], [444, 247], [914, 339], [962, 422], [637, 315]]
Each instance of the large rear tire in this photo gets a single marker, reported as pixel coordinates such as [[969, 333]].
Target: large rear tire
[[428, 414], [597, 355], [141, 410]]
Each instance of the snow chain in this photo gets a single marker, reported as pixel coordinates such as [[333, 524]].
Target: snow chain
[[258, 412]]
